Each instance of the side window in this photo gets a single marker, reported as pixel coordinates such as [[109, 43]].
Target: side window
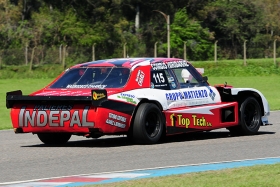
[[185, 78], [163, 79]]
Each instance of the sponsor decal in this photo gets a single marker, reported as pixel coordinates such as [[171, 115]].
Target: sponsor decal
[[116, 120], [179, 120], [159, 80], [53, 116], [170, 79], [195, 94], [173, 84], [177, 64], [97, 96], [53, 107], [200, 122], [140, 77], [171, 65], [127, 97], [86, 86], [174, 96], [152, 85], [159, 66], [211, 93]]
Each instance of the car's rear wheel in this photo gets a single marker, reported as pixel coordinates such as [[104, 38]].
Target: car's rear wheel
[[54, 138], [249, 118], [148, 124]]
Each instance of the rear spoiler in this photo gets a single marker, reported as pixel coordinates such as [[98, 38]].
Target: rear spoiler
[[15, 97]]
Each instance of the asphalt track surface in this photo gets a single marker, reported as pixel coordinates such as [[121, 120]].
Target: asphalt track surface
[[23, 157]]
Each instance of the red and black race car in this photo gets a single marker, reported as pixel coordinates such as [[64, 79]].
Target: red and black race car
[[143, 98]]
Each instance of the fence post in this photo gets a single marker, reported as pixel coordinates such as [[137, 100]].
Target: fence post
[[185, 50], [93, 52], [245, 53], [155, 49], [124, 50], [1, 62], [60, 53], [26, 54], [274, 52], [32, 57], [215, 51], [64, 56]]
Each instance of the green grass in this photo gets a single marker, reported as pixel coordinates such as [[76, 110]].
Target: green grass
[[268, 85], [26, 85], [236, 68], [261, 175]]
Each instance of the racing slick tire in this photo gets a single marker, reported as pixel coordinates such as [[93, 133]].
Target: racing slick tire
[[148, 124], [54, 138], [249, 118]]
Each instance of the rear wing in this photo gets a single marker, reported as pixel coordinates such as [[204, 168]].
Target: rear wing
[[16, 97]]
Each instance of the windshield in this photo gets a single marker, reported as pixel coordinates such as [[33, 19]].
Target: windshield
[[93, 77]]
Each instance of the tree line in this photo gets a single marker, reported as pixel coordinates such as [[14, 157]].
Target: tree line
[[140, 25]]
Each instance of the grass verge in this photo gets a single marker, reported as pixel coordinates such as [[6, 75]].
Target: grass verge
[[26, 85], [261, 175]]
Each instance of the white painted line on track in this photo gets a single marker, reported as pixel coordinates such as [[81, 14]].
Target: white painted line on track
[[119, 174]]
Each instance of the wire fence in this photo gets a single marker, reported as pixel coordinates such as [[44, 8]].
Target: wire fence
[[73, 54], [42, 55]]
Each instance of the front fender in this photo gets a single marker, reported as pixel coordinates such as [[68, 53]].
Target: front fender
[[266, 108]]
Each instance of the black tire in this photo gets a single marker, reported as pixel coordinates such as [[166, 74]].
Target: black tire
[[148, 124], [54, 138], [249, 118]]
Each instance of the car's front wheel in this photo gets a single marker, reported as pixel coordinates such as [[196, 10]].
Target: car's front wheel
[[249, 117], [54, 138], [148, 124]]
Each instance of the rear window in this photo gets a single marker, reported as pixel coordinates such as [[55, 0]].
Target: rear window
[[93, 77]]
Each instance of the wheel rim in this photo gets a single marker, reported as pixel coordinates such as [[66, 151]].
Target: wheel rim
[[152, 125], [251, 116]]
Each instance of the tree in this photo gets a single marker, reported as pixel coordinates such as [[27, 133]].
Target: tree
[[198, 40], [233, 22]]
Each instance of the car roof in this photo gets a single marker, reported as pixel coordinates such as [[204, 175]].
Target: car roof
[[127, 62]]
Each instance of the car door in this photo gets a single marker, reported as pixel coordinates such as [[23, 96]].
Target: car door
[[198, 101]]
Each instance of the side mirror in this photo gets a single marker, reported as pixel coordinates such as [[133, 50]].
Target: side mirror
[[205, 79]]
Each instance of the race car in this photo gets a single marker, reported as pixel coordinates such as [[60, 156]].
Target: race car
[[143, 98]]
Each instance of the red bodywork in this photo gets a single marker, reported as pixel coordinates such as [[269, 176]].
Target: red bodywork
[[86, 118], [77, 119]]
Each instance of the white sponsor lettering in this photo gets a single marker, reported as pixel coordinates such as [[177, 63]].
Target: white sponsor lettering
[[195, 94], [140, 77], [75, 120], [115, 120], [42, 119], [53, 118], [159, 66], [85, 86], [177, 64]]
